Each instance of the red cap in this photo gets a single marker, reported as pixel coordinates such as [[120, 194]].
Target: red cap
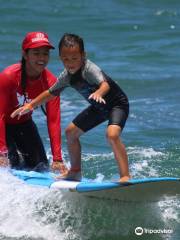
[[36, 40]]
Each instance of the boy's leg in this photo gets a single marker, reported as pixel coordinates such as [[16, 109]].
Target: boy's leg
[[74, 147], [113, 133], [82, 123]]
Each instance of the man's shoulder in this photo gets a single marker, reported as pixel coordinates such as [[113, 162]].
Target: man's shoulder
[[12, 74], [13, 69]]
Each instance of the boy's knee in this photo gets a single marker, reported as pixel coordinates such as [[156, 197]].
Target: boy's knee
[[72, 132], [69, 131], [112, 137]]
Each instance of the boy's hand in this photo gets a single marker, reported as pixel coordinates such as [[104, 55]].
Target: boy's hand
[[22, 110], [97, 97]]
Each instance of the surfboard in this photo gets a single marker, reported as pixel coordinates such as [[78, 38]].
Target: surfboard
[[135, 190]]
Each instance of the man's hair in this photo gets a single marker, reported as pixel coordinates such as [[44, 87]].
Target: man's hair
[[70, 40], [23, 78]]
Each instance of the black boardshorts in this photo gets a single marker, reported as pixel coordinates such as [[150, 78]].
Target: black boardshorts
[[25, 147], [91, 117]]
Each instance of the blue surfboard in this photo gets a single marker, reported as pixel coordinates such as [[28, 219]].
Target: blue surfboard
[[144, 189]]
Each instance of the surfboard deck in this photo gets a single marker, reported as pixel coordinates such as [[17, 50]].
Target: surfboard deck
[[135, 190]]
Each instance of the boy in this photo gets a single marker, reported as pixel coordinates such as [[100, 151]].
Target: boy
[[107, 102]]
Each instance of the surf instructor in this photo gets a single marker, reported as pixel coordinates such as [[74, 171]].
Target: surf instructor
[[20, 142]]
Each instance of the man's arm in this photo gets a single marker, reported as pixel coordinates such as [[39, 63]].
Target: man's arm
[[5, 91], [29, 107]]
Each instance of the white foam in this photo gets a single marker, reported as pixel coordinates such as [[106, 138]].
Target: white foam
[[144, 152], [142, 161], [170, 209], [87, 157], [165, 12], [99, 177], [18, 215]]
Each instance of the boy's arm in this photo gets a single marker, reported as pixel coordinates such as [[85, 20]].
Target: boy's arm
[[28, 107], [100, 92]]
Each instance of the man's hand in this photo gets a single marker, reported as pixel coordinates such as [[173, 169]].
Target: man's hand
[[22, 110], [4, 161], [59, 165]]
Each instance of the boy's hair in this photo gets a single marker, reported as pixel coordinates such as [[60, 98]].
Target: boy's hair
[[70, 40]]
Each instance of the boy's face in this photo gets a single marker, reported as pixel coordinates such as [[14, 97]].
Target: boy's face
[[72, 58]]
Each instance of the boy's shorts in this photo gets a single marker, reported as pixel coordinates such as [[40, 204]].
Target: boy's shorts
[[91, 117]]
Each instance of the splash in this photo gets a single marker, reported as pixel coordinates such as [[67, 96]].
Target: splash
[[18, 213]]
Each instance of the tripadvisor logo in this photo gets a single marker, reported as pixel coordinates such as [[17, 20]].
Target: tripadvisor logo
[[140, 231]]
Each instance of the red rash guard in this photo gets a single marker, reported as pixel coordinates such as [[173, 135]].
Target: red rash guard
[[11, 97]]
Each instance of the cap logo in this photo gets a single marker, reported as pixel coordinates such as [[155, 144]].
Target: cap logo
[[39, 37]]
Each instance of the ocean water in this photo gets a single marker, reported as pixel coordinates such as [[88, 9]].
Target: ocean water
[[137, 44]]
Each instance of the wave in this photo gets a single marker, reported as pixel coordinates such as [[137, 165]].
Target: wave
[[39, 213]]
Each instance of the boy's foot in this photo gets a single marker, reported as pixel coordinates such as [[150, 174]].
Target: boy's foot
[[71, 175], [124, 179]]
